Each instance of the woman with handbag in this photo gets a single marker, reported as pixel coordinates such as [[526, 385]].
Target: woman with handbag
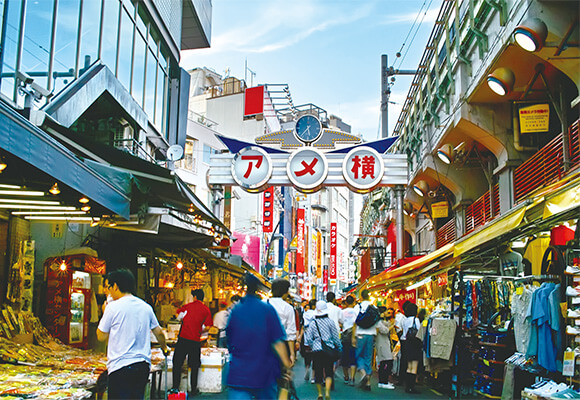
[[411, 348], [322, 337]]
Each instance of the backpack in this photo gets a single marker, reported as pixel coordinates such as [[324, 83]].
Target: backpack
[[367, 319], [412, 332]]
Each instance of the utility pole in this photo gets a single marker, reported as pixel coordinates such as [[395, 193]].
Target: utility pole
[[386, 73]]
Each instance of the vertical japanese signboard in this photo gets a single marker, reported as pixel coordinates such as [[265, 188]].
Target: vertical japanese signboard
[[300, 241], [325, 279], [318, 250], [332, 271], [268, 216]]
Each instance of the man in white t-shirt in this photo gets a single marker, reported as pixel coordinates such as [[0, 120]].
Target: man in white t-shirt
[[285, 312], [347, 319], [127, 324], [333, 309]]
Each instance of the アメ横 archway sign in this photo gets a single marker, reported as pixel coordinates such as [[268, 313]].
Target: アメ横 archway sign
[[315, 162]]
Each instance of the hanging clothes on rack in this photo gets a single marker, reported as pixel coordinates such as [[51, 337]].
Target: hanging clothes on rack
[[543, 312], [521, 300]]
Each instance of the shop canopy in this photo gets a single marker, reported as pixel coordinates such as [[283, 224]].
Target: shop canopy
[[542, 210], [106, 186], [156, 187]]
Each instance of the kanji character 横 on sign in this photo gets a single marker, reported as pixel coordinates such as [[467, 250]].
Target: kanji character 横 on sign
[[363, 169], [307, 169], [252, 168]]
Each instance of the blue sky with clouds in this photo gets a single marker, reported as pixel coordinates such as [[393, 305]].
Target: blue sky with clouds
[[328, 51]]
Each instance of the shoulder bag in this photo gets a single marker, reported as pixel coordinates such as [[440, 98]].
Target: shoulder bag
[[331, 352]]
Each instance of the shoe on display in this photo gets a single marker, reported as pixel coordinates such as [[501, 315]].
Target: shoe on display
[[566, 394], [572, 291], [572, 330], [381, 385], [574, 313], [573, 270], [389, 386]]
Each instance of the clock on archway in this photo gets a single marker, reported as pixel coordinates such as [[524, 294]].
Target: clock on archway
[[308, 128]]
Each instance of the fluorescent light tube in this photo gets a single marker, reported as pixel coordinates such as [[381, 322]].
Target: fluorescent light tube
[[48, 212], [21, 193], [36, 207], [23, 201]]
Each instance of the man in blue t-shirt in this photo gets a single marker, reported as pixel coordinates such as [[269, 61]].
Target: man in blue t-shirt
[[256, 341]]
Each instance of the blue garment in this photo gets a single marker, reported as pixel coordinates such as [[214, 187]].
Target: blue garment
[[364, 352], [533, 342], [540, 314], [555, 317], [267, 393], [253, 328]]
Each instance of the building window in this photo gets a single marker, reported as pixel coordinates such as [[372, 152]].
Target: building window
[[208, 151], [10, 48], [110, 34], [189, 161]]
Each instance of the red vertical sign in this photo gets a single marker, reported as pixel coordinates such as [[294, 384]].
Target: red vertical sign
[[300, 241], [332, 251], [268, 217], [325, 279], [254, 101]]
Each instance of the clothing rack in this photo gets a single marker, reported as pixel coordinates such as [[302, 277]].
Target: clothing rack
[[538, 278]]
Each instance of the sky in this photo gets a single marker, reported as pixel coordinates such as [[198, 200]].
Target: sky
[[327, 51]]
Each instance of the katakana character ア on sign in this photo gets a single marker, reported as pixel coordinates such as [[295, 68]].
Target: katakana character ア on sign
[[252, 168], [257, 159]]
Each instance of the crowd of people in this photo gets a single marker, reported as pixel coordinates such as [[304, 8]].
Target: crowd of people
[[264, 338]]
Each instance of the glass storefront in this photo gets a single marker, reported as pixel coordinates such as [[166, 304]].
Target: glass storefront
[[60, 40]]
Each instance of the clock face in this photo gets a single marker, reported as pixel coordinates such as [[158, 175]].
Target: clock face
[[308, 128]]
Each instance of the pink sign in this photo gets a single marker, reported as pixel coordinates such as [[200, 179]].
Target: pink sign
[[248, 247], [332, 251]]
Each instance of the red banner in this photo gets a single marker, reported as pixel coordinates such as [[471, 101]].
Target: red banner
[[300, 241], [268, 216], [325, 279], [332, 251], [401, 296], [254, 101]]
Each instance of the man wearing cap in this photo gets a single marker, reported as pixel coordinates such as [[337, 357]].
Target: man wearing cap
[[256, 341]]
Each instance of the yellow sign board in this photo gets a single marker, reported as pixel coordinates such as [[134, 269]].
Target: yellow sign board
[[440, 209], [535, 118]]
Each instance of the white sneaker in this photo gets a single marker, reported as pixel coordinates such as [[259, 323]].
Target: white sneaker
[[572, 270], [574, 313], [382, 385], [389, 386], [572, 291], [571, 330]]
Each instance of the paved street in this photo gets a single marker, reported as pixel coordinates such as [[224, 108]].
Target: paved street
[[307, 391]]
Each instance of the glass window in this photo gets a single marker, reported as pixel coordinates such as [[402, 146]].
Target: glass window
[[10, 44], [67, 26], [138, 81], [125, 50], [90, 28], [142, 20], [207, 153], [150, 86], [153, 39], [161, 100], [36, 43], [110, 31], [130, 7]]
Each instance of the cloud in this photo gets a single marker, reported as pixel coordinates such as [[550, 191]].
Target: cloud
[[283, 24], [429, 17]]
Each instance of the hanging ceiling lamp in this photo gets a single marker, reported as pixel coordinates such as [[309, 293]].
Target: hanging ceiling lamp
[[501, 81], [531, 34]]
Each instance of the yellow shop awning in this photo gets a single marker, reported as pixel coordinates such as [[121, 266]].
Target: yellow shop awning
[[497, 228]]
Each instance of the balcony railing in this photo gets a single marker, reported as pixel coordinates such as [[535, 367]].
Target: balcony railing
[[547, 165], [446, 234], [133, 147], [482, 210]]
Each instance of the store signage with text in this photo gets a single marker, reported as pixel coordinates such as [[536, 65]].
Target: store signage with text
[[252, 168], [332, 271], [535, 118], [440, 209], [268, 217], [363, 169], [442, 279], [401, 296], [300, 241]]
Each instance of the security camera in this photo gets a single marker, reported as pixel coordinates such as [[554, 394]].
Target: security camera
[[24, 78]]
